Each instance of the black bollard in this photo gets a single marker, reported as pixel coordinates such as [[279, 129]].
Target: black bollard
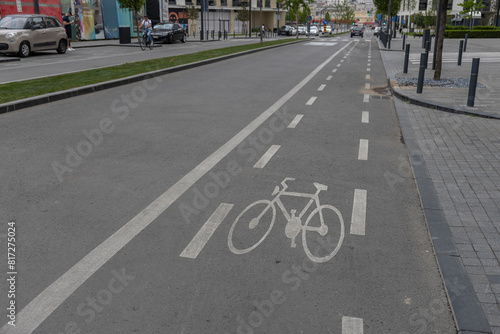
[[473, 82], [421, 72], [460, 50], [220, 34], [404, 41], [465, 43], [389, 41], [407, 58], [427, 53]]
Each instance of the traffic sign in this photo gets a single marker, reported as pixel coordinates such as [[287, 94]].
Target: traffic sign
[[325, 21], [309, 18]]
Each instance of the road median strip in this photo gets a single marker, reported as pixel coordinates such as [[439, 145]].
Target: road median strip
[[28, 93]]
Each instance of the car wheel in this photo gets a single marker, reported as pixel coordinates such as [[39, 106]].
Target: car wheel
[[170, 39], [183, 39], [24, 50], [61, 48]]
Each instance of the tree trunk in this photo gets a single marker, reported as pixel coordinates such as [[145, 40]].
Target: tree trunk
[[440, 40]]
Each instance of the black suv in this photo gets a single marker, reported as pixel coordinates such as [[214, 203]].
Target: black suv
[[357, 31], [286, 30]]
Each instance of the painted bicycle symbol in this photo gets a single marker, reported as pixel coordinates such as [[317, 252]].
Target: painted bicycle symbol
[[252, 218]]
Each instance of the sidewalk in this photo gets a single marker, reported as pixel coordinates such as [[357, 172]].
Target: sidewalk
[[456, 163], [451, 99]]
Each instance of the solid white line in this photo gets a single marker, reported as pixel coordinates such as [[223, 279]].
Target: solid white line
[[358, 217], [295, 121], [311, 101], [334, 70], [365, 117], [363, 149], [321, 87], [207, 230], [267, 156], [33, 314], [367, 85], [328, 78], [368, 76], [352, 325], [366, 98]]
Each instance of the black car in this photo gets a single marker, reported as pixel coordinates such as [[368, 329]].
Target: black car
[[357, 31], [286, 30], [167, 32]]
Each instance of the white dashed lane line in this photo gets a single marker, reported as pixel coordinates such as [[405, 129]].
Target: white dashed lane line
[[334, 70], [366, 98], [207, 230], [363, 149], [311, 101], [358, 217], [267, 156], [352, 325], [367, 85], [328, 78], [295, 121], [368, 77], [321, 87], [365, 117]]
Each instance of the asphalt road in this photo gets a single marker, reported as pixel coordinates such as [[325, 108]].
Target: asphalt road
[[49, 63], [133, 205]]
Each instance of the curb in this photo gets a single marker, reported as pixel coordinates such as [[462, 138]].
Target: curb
[[467, 311], [66, 94], [9, 59], [442, 107]]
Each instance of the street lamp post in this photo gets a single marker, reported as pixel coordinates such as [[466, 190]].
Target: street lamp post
[[496, 17]]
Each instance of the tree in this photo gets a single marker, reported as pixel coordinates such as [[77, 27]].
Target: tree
[[469, 7], [411, 6], [134, 6], [345, 11], [383, 6], [243, 15], [295, 5], [440, 39], [192, 16], [327, 17]]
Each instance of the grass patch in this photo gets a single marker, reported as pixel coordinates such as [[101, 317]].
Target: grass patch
[[29, 88]]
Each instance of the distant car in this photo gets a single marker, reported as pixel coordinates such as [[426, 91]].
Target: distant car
[[376, 31], [314, 31], [23, 34], [286, 30], [357, 31], [302, 30], [167, 32]]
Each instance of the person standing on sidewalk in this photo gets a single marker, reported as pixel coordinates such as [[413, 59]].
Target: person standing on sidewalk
[[67, 25]]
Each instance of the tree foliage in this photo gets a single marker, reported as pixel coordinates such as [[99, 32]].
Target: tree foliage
[[132, 5], [344, 12], [295, 6], [469, 7], [383, 6], [191, 12]]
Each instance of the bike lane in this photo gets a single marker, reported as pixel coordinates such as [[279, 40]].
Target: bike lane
[[372, 284]]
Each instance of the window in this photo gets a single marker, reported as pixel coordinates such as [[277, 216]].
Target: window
[[236, 3], [39, 21], [51, 23], [268, 3], [223, 3], [172, 2]]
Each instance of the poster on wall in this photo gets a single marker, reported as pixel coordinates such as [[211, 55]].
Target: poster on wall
[[110, 19], [88, 19]]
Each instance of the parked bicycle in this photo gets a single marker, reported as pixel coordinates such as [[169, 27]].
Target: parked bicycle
[[294, 223]]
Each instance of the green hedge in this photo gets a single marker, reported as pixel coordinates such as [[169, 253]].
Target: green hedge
[[472, 33], [485, 28], [448, 27]]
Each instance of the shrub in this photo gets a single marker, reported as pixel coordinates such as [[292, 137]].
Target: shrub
[[472, 33], [448, 27], [485, 28]]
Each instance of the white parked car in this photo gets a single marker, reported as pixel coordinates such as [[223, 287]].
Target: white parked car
[[313, 31], [328, 30], [302, 30]]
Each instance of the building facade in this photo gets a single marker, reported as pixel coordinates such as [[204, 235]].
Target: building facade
[[101, 19]]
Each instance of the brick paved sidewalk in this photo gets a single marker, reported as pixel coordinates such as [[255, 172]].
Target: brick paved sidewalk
[[456, 162], [488, 50]]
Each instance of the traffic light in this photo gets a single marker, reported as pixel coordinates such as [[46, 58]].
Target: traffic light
[[368, 13]]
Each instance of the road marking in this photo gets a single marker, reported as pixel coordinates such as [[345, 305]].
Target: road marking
[[207, 230], [328, 78], [368, 76], [342, 60], [365, 117], [352, 325], [366, 98], [320, 44], [363, 149], [338, 65], [33, 314], [295, 121], [267, 156], [311, 101], [321, 87], [334, 70], [367, 85], [368, 69], [358, 217]]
